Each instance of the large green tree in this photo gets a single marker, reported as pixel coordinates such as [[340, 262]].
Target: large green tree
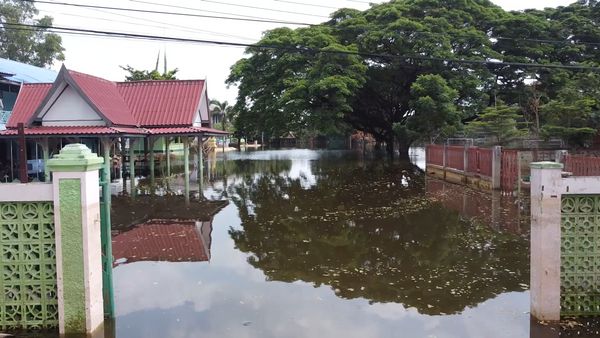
[[293, 80], [297, 89], [34, 46]]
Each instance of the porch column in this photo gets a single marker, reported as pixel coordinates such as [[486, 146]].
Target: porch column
[[45, 155], [151, 141], [132, 188], [200, 161], [23, 177], [186, 166], [168, 152]]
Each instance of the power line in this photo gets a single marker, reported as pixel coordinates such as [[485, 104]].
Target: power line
[[201, 10], [290, 22], [170, 13], [297, 49], [306, 4], [263, 8], [164, 24]]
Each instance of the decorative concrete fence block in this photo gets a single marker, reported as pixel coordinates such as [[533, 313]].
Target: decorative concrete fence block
[[28, 266], [565, 237]]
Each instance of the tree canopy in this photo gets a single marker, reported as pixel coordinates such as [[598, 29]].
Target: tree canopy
[[33, 46], [140, 75], [397, 70]]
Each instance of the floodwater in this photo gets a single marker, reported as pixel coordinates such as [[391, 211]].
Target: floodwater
[[322, 244], [302, 243]]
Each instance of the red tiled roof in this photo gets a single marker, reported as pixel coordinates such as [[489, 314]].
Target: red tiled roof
[[171, 242], [105, 96], [163, 103], [46, 130], [30, 97]]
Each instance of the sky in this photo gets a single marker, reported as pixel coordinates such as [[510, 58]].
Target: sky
[[103, 56]]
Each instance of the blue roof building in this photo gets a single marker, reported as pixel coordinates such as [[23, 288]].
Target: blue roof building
[[12, 75], [18, 72]]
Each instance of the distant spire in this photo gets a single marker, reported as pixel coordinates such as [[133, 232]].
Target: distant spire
[[165, 56], [157, 60]]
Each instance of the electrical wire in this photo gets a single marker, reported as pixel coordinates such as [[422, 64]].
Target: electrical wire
[[262, 8], [201, 10], [164, 24], [547, 41], [300, 49], [171, 13]]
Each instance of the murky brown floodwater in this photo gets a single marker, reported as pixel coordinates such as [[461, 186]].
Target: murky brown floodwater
[[321, 244]]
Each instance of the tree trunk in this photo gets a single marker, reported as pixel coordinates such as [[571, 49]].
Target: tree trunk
[[389, 146], [403, 150], [377, 145]]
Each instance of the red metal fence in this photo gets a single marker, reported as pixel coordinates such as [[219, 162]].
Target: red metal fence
[[434, 154], [509, 173], [486, 157], [582, 165], [455, 157], [479, 161]]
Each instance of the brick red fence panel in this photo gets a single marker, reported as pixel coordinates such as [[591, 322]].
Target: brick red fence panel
[[582, 165], [434, 154], [455, 157], [509, 171], [479, 161], [486, 156]]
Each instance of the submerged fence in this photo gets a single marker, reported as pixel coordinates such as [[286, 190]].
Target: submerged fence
[[462, 164], [510, 167], [582, 165]]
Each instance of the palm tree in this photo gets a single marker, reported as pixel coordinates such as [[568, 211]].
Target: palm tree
[[222, 109]]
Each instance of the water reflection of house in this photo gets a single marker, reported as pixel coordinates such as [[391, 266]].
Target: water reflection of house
[[163, 229], [164, 241]]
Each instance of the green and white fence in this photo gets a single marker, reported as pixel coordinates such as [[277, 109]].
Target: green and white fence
[[565, 243], [50, 248]]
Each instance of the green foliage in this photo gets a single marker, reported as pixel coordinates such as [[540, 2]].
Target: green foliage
[[434, 111], [498, 122], [299, 91], [574, 114], [32, 46], [226, 112], [141, 75]]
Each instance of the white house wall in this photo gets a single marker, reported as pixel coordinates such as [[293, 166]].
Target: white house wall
[[202, 111], [70, 109]]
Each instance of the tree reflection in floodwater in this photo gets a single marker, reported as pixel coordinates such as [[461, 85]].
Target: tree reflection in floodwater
[[372, 232]]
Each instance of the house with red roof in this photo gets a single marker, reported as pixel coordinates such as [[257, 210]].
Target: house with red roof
[[107, 116]]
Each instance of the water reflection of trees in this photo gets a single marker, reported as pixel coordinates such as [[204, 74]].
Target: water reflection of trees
[[371, 232]]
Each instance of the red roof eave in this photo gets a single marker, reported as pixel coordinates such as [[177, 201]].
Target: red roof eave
[[80, 131]]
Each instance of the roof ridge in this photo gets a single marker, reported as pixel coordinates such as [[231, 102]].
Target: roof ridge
[[92, 76], [156, 81]]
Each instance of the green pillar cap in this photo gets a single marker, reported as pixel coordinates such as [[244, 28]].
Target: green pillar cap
[[546, 165], [75, 157]]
